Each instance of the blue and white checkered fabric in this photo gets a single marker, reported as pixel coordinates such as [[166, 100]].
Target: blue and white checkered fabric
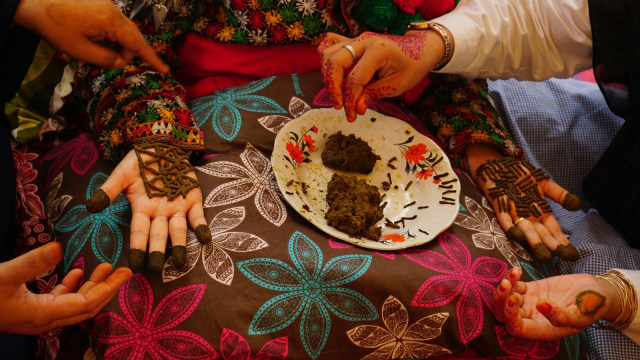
[[564, 126]]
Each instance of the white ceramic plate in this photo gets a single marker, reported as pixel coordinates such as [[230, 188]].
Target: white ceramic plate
[[421, 202]]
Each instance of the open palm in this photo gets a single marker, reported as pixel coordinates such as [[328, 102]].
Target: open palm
[[552, 308], [154, 218]]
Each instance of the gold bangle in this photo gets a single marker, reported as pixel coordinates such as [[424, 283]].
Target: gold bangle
[[444, 34], [628, 298]]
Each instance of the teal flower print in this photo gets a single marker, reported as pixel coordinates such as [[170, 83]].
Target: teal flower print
[[102, 228], [222, 107], [310, 290]]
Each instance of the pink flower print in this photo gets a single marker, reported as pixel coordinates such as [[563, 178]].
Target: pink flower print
[[80, 153], [144, 333], [525, 349], [470, 280], [235, 347]]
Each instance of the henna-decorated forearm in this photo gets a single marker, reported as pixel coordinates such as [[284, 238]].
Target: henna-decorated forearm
[[169, 166]]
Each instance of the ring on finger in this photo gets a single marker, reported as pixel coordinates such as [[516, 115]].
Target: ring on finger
[[517, 220], [352, 51], [177, 215]]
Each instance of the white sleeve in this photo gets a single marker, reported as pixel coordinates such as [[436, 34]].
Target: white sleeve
[[633, 331], [524, 39]]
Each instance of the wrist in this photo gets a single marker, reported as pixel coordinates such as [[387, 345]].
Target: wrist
[[478, 154], [444, 47], [623, 306]]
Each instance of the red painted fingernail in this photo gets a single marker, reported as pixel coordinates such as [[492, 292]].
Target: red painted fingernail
[[511, 274], [510, 302], [544, 308], [502, 288]]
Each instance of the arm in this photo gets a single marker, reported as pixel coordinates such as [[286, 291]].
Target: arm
[[525, 39], [142, 123]]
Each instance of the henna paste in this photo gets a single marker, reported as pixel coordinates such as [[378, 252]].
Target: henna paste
[[203, 234], [572, 202], [518, 182], [179, 256], [156, 262], [541, 252], [567, 252], [407, 43], [589, 302], [514, 233], [136, 259], [169, 166], [98, 201]]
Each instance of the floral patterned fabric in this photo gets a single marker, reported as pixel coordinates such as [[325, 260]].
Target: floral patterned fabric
[[271, 285]]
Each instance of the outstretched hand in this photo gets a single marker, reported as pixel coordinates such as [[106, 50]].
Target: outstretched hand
[[95, 31], [153, 218], [552, 308], [23, 312], [540, 228], [383, 66]]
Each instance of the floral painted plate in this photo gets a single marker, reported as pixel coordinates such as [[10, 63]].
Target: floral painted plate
[[422, 192]]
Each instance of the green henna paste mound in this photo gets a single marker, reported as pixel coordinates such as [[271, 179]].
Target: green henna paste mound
[[572, 202], [541, 252], [98, 201], [203, 234], [136, 260], [514, 233], [567, 252], [179, 256], [156, 262]]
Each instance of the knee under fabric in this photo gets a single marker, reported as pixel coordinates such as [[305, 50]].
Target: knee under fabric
[[613, 186]]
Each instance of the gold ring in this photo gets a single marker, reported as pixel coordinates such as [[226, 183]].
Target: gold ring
[[517, 220], [352, 51]]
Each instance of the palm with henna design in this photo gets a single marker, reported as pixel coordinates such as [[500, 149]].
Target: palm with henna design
[[543, 233], [555, 307], [154, 218], [388, 65]]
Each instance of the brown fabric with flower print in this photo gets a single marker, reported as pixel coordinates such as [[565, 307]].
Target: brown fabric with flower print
[[286, 288]]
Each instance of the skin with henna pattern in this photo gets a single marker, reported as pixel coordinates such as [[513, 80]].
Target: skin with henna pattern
[[589, 302], [409, 43]]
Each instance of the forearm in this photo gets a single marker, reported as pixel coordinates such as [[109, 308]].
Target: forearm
[[525, 39]]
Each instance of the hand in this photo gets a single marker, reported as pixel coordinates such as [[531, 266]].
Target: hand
[[388, 65], [153, 218], [83, 29], [543, 233], [23, 312], [555, 307]]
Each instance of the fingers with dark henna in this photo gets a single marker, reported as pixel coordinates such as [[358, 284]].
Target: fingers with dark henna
[[98, 202], [139, 236], [178, 235], [199, 223], [157, 244]]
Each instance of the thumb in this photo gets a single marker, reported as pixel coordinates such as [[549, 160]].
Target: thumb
[[121, 177], [35, 262]]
